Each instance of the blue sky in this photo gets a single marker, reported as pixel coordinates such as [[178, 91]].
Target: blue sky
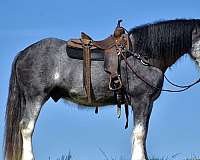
[[63, 127]]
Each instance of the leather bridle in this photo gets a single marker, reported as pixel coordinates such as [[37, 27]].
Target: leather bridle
[[145, 63]]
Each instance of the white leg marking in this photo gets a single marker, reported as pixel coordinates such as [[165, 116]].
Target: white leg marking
[[27, 153], [138, 143]]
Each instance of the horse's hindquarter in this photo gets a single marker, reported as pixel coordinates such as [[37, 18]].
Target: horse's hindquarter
[[38, 66]]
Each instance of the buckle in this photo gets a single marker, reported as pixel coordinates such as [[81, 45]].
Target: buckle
[[115, 82]]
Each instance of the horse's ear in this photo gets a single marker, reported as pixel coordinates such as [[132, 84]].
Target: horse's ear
[[195, 30], [132, 40], [196, 34]]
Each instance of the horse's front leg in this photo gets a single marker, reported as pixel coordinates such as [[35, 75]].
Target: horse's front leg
[[142, 111]]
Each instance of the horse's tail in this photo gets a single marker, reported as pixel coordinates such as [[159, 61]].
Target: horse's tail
[[14, 112]]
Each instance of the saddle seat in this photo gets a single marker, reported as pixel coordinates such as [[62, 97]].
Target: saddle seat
[[104, 44], [85, 39]]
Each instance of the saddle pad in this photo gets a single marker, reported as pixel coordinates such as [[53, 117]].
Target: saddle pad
[[77, 53]]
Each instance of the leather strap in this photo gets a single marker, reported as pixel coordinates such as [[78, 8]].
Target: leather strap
[[87, 72]]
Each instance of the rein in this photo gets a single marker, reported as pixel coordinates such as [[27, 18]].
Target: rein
[[137, 56], [180, 86]]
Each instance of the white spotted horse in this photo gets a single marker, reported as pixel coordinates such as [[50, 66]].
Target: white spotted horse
[[51, 68]]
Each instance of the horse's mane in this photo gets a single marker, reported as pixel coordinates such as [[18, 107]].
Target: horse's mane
[[166, 39]]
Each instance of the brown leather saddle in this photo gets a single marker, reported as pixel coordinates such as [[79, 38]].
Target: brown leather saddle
[[107, 50]]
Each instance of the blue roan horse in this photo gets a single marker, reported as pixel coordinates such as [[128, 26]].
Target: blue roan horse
[[44, 70]]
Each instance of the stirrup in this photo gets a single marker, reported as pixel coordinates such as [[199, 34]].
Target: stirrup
[[115, 83]]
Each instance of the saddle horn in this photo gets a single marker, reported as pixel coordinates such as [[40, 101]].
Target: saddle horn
[[119, 30], [119, 23]]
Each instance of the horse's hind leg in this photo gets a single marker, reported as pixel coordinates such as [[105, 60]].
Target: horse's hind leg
[[142, 111], [27, 124]]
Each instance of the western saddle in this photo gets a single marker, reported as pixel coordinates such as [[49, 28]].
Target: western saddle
[[109, 51]]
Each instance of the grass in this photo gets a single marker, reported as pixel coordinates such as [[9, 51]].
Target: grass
[[67, 158], [64, 157], [173, 157]]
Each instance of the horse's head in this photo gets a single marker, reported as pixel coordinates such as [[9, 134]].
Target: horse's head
[[195, 51]]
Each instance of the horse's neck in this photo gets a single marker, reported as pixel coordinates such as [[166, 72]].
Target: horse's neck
[[162, 63]]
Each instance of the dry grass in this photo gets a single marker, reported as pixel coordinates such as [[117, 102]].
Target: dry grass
[[173, 157]]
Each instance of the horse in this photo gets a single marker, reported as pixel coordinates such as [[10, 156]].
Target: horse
[[44, 70]]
